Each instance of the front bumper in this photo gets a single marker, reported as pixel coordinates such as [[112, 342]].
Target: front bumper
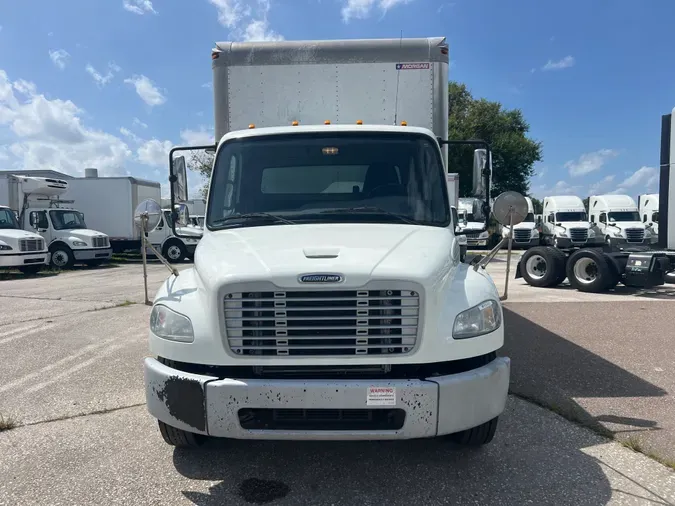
[[566, 242], [433, 406], [92, 254], [526, 244], [476, 242], [23, 259]]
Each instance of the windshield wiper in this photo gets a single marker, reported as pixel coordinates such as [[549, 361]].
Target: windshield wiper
[[247, 216], [372, 210]]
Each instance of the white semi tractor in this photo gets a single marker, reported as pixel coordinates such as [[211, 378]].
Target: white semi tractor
[[627, 257], [470, 213], [19, 249], [648, 205], [40, 208], [327, 298], [525, 233]]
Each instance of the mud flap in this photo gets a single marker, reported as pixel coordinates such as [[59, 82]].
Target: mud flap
[[518, 273]]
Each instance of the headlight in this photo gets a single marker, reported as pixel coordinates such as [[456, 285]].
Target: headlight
[[481, 319], [483, 235], [591, 233], [535, 232], [79, 243], [617, 234], [170, 325], [5, 247]]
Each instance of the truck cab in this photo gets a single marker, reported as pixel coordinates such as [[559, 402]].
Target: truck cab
[[648, 205], [473, 227], [525, 233], [565, 223], [173, 248], [618, 219], [63, 228], [19, 249]]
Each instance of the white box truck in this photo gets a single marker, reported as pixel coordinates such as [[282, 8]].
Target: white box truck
[[108, 204], [327, 299], [19, 249], [39, 205]]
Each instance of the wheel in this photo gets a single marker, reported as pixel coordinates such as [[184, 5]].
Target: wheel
[[562, 261], [31, 269], [588, 271], [94, 263], [476, 436], [62, 256], [541, 266], [180, 438], [174, 250]]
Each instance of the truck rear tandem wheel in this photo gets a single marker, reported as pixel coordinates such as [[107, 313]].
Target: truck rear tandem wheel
[[596, 270]]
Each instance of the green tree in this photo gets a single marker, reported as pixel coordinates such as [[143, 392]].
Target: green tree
[[201, 162], [585, 201], [538, 205], [513, 152]]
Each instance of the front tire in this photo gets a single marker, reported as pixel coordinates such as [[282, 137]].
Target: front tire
[[476, 436], [174, 250], [180, 438], [541, 266], [588, 271], [62, 257]]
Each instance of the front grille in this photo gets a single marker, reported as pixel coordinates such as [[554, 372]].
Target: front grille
[[472, 236], [31, 245], [521, 235], [635, 235], [321, 419], [100, 242], [579, 234], [320, 323]]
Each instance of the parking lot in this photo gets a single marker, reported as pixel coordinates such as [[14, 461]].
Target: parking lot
[[72, 347]]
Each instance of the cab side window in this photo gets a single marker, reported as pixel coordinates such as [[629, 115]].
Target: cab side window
[[38, 219], [603, 217], [551, 218]]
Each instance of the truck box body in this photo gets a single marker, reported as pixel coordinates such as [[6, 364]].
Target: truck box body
[[376, 81], [108, 204]]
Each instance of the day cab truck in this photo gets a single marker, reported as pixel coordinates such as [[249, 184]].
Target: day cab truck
[[627, 257], [38, 203], [327, 298], [566, 225], [21, 250]]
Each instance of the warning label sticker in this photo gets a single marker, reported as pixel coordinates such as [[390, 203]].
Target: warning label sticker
[[381, 396], [412, 66]]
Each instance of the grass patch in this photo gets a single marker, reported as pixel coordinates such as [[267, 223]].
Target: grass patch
[[125, 303], [7, 423], [634, 443]]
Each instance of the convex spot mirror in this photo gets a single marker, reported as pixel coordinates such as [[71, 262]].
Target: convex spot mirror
[[510, 208]]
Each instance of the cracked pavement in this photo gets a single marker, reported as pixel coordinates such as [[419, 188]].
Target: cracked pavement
[[72, 377]]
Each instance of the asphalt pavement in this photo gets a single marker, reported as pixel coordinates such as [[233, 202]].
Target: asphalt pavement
[[72, 348]]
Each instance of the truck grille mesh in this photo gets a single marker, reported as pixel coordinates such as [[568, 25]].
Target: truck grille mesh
[[635, 235], [321, 323], [100, 242], [31, 244], [579, 234], [521, 235]]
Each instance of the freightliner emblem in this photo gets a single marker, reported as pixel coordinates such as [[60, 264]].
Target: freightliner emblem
[[321, 278]]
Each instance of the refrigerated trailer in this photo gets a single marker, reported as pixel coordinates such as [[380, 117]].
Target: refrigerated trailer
[[598, 269], [327, 298]]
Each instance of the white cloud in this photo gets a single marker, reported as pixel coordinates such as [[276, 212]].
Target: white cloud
[[559, 188], [643, 180], [566, 62], [199, 137], [208, 86], [361, 9], [146, 89], [139, 7], [246, 19], [600, 187], [590, 162], [139, 123], [130, 135], [101, 79], [49, 134], [59, 57], [155, 153]]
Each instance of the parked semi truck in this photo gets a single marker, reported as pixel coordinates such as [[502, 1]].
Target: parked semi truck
[[618, 220], [525, 233], [38, 203], [470, 213], [631, 262], [327, 298], [19, 249], [648, 205], [565, 223]]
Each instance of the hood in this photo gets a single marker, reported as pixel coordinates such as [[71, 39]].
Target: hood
[[576, 224], [473, 225], [360, 252], [525, 225], [83, 233], [14, 233], [623, 225]]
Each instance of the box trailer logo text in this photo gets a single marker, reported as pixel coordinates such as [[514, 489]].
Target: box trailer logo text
[[412, 66]]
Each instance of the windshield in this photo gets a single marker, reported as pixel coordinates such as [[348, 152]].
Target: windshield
[[7, 219], [329, 178], [571, 216], [66, 219], [529, 217], [624, 216]]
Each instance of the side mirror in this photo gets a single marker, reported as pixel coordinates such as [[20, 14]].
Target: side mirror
[[480, 159], [559, 224], [181, 215]]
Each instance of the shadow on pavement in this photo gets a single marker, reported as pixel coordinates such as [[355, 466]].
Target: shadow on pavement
[[552, 371], [536, 458]]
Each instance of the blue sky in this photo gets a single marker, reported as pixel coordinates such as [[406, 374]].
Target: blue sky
[[114, 84]]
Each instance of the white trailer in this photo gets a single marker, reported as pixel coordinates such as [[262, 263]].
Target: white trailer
[[108, 204], [327, 299]]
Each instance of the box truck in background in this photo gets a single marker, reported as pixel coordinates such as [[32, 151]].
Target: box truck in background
[[20, 249]]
